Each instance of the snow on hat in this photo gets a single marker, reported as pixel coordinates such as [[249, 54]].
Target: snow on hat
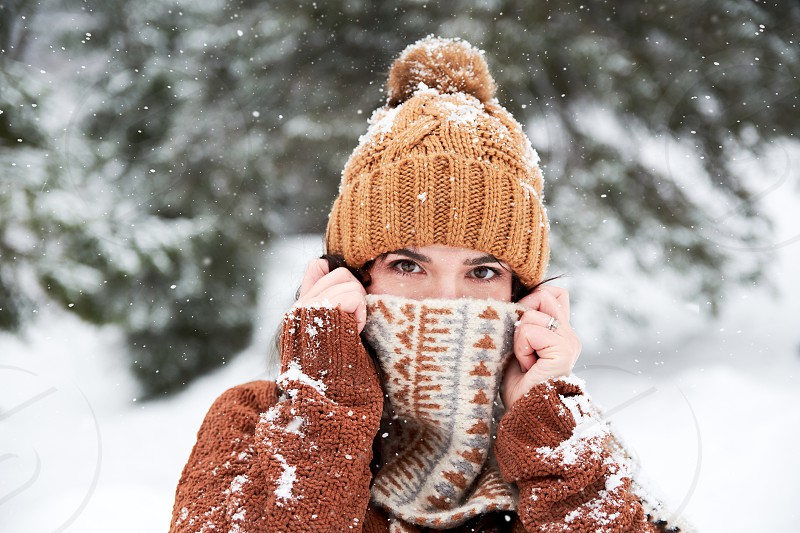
[[442, 163]]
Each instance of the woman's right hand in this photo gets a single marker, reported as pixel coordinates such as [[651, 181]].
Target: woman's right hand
[[339, 288]]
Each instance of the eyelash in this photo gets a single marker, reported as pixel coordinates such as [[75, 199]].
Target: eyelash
[[395, 266], [497, 274]]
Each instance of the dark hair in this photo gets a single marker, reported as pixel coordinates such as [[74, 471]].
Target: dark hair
[[520, 291], [361, 274]]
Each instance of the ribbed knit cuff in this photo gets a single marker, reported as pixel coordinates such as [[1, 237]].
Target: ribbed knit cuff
[[537, 421], [321, 347]]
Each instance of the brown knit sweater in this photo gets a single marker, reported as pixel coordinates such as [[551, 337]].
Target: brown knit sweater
[[295, 456]]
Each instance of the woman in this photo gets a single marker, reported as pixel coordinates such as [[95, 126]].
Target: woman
[[386, 415]]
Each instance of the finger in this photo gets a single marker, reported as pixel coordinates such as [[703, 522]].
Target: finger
[[335, 294], [545, 302], [338, 276], [529, 338], [550, 305], [526, 362], [512, 374], [537, 318], [352, 302], [348, 295], [360, 314], [315, 271], [561, 294], [524, 352]]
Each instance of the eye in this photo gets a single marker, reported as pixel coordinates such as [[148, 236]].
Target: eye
[[483, 273], [406, 266]]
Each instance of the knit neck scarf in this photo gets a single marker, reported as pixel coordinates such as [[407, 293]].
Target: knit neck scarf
[[442, 363]]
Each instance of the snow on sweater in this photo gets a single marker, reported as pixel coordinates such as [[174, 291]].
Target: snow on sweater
[[295, 454]]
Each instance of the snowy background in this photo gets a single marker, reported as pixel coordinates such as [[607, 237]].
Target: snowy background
[[714, 419], [154, 154]]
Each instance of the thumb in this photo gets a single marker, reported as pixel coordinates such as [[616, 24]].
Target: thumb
[[511, 377], [361, 316]]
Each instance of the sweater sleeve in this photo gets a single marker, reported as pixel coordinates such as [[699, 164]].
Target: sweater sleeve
[[569, 476], [296, 464]]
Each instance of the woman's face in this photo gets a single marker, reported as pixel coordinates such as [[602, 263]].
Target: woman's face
[[440, 272]]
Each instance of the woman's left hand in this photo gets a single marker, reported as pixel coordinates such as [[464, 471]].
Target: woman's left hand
[[556, 347]]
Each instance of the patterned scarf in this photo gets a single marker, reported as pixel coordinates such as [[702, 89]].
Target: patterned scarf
[[442, 363]]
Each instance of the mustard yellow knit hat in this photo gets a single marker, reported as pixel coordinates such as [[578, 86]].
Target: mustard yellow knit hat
[[442, 163]]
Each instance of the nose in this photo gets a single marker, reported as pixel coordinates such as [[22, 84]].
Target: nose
[[448, 287]]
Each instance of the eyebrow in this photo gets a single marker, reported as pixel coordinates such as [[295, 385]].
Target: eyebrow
[[412, 255], [480, 260]]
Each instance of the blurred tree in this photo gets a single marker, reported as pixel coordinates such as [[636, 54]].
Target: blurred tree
[[24, 162], [171, 212], [198, 129]]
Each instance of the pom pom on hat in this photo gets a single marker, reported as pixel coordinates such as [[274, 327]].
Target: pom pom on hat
[[447, 65]]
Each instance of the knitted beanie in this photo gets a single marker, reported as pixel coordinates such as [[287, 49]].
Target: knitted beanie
[[442, 163]]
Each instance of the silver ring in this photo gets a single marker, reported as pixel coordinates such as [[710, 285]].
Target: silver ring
[[552, 325]]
